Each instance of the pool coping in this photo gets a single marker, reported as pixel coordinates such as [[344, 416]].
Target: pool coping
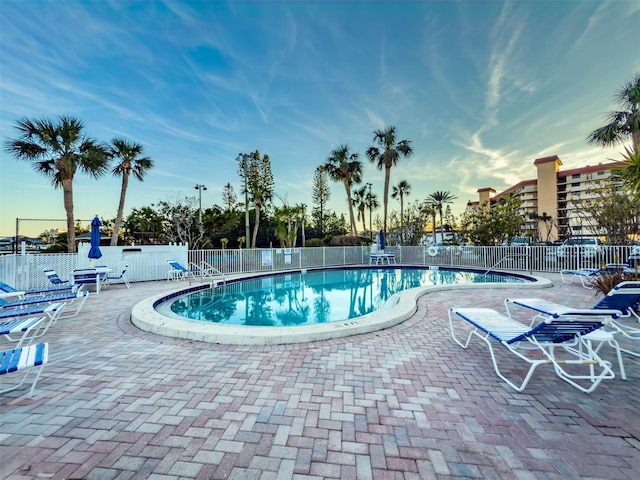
[[400, 307]]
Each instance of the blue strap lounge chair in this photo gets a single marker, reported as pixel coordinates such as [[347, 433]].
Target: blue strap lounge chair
[[178, 272], [586, 275], [556, 340], [53, 277], [624, 297], [11, 291], [52, 312], [23, 358], [22, 327], [74, 300]]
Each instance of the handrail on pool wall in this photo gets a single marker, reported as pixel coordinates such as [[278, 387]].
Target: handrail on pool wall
[[147, 318]]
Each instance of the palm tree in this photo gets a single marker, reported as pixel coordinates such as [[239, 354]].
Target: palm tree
[[623, 124], [344, 166], [400, 191], [58, 149], [629, 172], [130, 162], [359, 201], [386, 156], [428, 209], [371, 202], [439, 199]]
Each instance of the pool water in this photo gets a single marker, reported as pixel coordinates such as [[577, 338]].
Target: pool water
[[320, 296]]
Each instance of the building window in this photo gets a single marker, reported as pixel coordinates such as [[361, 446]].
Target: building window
[[601, 172], [575, 175], [575, 184]]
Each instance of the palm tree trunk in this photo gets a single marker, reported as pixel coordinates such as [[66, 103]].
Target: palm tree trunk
[[364, 225], [255, 227], [123, 194], [67, 191], [401, 219], [352, 219], [387, 176]]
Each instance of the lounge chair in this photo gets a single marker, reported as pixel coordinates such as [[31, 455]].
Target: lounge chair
[[624, 297], [24, 358], [52, 312], [178, 272], [109, 279], [54, 278], [10, 291], [75, 300], [23, 327], [560, 334], [585, 274]]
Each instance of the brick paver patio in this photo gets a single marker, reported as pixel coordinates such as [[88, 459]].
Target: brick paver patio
[[403, 403]]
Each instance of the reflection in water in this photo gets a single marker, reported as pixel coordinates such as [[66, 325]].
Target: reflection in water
[[314, 297]]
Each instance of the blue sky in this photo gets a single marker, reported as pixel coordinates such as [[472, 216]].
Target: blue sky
[[481, 89]]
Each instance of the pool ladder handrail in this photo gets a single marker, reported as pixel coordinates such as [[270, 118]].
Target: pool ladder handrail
[[206, 270], [508, 255]]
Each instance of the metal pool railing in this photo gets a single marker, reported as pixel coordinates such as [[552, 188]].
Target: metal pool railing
[[24, 270]]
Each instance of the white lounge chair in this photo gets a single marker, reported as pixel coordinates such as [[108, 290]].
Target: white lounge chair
[[624, 297], [53, 277], [24, 358], [22, 327], [75, 300], [557, 340], [52, 312]]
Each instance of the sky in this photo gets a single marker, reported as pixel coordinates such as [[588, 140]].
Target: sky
[[481, 88]]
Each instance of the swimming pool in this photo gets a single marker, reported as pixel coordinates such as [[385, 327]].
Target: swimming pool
[[306, 298], [148, 314]]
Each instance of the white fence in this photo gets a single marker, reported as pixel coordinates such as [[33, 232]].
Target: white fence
[[147, 263]]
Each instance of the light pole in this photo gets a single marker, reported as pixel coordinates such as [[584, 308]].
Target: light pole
[[200, 188], [242, 159], [370, 226]]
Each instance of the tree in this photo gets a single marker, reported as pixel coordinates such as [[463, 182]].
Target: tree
[[129, 162], [321, 192], [344, 166], [622, 124], [259, 183], [229, 198], [386, 156], [429, 210], [439, 199], [610, 211], [400, 191], [371, 202], [359, 201], [57, 150], [491, 226], [181, 218]]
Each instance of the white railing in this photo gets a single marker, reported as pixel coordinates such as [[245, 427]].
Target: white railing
[[147, 263]]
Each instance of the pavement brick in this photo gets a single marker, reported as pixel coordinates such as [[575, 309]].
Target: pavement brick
[[405, 403]]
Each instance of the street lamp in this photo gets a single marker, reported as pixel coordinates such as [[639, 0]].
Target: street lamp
[[200, 188], [370, 226]]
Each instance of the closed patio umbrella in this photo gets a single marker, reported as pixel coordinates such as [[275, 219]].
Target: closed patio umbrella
[[381, 234], [94, 251]]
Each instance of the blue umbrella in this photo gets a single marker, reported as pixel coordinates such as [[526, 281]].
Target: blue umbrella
[[381, 239], [95, 252]]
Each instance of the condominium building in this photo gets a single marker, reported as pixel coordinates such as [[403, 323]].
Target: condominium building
[[551, 203]]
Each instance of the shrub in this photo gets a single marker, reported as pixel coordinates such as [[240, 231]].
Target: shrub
[[605, 282], [313, 242], [345, 241]]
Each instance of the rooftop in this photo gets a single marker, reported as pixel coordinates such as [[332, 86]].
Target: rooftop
[[402, 403]]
